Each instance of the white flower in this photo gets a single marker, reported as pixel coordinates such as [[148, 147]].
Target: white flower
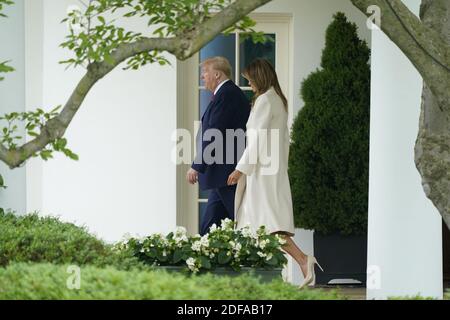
[[213, 228], [263, 244], [246, 232], [235, 246], [180, 235], [261, 254], [205, 241], [201, 243], [191, 263], [280, 239], [269, 256], [180, 231], [227, 224], [179, 240], [196, 246]]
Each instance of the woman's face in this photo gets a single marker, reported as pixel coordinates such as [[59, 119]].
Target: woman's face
[[250, 83]]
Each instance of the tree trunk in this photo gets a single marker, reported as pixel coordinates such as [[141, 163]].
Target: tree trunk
[[432, 150]]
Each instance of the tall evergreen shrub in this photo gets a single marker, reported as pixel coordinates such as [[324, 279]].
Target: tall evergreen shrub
[[329, 155]]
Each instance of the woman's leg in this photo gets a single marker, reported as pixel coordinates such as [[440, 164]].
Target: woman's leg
[[292, 249]]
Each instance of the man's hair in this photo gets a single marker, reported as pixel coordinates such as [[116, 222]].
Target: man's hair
[[219, 64]]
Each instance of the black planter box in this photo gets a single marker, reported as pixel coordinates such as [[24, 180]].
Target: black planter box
[[341, 257]]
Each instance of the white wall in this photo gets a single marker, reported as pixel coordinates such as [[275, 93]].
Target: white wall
[[405, 235], [124, 181], [34, 34], [310, 21], [12, 98]]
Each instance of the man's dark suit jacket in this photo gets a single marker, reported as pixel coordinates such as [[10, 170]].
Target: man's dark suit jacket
[[229, 109]]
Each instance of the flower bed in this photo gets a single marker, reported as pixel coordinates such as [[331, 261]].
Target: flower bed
[[222, 247]]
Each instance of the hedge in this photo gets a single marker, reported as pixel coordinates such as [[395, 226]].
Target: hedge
[[49, 282], [31, 238]]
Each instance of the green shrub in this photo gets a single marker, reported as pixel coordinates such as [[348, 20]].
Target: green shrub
[[329, 155], [45, 281], [416, 297], [31, 238]]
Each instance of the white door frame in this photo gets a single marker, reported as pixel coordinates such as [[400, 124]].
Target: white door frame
[[188, 100]]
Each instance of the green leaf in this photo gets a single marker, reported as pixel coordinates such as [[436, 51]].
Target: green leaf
[[74, 156], [2, 182], [5, 68], [46, 154], [152, 253], [161, 257], [273, 261], [55, 109], [33, 134], [205, 263], [223, 258], [177, 256]]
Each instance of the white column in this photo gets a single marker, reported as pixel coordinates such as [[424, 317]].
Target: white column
[[405, 235]]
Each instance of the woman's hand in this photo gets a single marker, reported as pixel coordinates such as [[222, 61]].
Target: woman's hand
[[234, 177]]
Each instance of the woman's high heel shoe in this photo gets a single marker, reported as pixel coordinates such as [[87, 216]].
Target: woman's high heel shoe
[[310, 278]]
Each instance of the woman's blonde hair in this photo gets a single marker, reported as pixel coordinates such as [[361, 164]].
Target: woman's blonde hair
[[263, 76]]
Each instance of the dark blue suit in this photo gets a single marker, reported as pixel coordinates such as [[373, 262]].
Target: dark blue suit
[[229, 109]]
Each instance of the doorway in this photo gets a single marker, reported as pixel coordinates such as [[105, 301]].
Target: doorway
[[193, 98]]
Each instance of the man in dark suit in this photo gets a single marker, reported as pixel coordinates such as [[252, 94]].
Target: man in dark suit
[[228, 110]]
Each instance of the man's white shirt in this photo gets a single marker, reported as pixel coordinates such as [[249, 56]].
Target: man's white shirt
[[220, 85]]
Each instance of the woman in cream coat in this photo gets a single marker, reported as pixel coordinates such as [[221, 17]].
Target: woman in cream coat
[[263, 194]]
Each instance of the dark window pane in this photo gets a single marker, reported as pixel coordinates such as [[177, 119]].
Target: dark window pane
[[249, 94], [222, 45], [203, 194], [249, 51], [201, 212]]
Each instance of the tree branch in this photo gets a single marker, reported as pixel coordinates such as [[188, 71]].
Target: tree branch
[[424, 47], [182, 47], [206, 31]]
